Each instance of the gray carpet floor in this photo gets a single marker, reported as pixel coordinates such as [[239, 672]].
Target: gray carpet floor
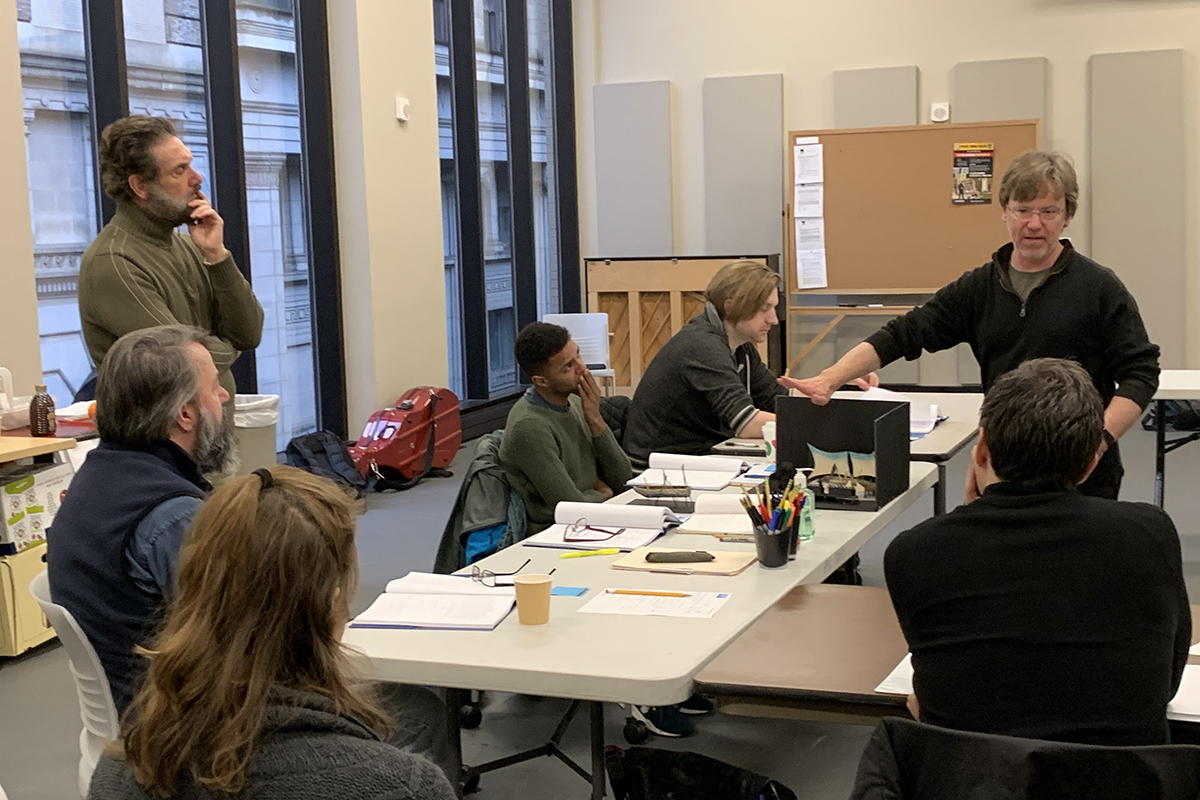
[[39, 715]]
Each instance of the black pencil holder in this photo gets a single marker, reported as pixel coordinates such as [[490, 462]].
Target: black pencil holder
[[772, 547]]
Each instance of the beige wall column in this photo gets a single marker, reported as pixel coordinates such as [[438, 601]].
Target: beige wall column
[[20, 349], [389, 200]]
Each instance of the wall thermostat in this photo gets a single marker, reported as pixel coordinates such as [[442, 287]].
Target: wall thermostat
[[939, 112], [402, 109]]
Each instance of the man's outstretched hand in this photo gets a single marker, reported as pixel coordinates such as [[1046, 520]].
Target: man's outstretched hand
[[820, 388]]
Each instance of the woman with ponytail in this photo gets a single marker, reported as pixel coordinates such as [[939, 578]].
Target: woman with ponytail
[[247, 692]]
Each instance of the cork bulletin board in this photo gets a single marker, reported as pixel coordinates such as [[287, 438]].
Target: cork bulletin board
[[890, 216]]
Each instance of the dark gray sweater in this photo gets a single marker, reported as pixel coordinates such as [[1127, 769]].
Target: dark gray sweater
[[306, 750], [697, 392]]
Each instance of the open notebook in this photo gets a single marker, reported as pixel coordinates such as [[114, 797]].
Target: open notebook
[[454, 602], [718, 515], [641, 525], [697, 472]]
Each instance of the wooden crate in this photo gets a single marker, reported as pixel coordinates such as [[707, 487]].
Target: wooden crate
[[647, 301]]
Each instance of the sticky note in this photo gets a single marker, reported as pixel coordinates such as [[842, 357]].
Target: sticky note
[[568, 591]]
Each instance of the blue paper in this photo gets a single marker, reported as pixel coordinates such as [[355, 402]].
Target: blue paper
[[568, 591]]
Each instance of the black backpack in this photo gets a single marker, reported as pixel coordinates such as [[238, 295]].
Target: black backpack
[[324, 454]]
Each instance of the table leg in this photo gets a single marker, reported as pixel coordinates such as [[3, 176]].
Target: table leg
[[1160, 452], [597, 725], [453, 699], [939, 492]]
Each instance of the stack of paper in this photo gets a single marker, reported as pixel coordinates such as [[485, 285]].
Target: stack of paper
[[922, 417], [718, 515], [641, 524], [1186, 704], [696, 472], [421, 600]]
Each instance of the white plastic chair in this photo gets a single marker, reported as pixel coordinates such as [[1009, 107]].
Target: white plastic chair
[[100, 720], [590, 332]]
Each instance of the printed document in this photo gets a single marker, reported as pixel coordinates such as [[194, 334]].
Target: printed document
[[696, 605], [900, 680]]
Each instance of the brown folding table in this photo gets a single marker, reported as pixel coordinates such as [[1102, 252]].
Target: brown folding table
[[819, 653]]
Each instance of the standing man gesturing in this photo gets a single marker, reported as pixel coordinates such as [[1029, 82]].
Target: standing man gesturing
[[1036, 298], [140, 273]]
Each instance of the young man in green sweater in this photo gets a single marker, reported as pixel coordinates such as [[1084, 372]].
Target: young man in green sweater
[[140, 273], [556, 445]]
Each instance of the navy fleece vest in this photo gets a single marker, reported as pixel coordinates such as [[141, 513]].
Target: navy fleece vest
[[88, 572]]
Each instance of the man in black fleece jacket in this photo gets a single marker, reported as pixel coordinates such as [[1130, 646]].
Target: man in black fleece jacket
[[1034, 610], [1036, 298]]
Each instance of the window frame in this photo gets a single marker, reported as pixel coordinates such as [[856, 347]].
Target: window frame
[[104, 38], [470, 222]]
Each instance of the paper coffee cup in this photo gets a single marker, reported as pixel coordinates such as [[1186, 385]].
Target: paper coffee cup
[[533, 599], [768, 431]]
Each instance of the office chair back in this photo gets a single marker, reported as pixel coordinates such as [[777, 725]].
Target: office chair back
[[906, 759], [590, 332], [100, 720]]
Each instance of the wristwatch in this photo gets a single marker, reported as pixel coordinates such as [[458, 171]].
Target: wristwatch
[[1109, 439]]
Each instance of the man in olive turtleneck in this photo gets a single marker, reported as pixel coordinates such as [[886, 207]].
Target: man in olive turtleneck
[[141, 273]]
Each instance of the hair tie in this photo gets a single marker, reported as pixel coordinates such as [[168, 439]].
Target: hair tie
[[264, 475]]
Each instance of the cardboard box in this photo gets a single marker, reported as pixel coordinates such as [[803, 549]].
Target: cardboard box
[[22, 623], [859, 451], [32, 496]]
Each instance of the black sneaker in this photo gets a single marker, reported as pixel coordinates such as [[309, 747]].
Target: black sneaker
[[663, 720], [697, 705]]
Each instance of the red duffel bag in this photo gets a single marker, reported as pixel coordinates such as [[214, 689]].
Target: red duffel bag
[[413, 439]]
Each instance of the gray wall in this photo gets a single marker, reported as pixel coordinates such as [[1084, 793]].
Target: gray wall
[[1140, 210], [743, 165], [867, 98], [633, 169]]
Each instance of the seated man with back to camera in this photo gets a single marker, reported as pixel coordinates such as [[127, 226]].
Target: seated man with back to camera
[[556, 445], [1034, 610], [708, 382], [114, 546]]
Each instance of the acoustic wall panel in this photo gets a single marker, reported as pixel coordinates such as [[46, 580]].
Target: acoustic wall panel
[[743, 164], [1139, 196], [633, 169], [1011, 88], [871, 98]]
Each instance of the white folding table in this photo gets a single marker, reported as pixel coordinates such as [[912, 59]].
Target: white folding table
[[601, 658], [1173, 384]]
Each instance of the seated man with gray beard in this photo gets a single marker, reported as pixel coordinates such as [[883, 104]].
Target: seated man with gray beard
[[114, 543]]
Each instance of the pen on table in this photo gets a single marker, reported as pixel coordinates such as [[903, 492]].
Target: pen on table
[[604, 551], [648, 594]]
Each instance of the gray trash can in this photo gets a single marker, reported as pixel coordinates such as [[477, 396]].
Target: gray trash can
[[254, 419]]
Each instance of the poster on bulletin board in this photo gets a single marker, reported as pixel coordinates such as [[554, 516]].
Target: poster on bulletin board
[[974, 164]]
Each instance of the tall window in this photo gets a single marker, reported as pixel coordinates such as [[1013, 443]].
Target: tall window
[[505, 204], [277, 227], [545, 161], [240, 111], [62, 190]]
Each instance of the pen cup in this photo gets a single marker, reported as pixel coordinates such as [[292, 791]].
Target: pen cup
[[533, 599], [772, 547]]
